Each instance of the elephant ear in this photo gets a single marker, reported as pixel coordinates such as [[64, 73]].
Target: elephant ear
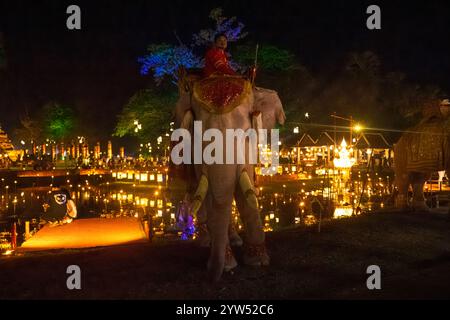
[[183, 105], [268, 103]]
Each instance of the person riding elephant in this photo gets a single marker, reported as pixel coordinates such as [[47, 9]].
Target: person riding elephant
[[224, 102], [216, 60]]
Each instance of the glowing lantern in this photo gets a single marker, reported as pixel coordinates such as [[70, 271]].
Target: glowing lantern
[[344, 160]]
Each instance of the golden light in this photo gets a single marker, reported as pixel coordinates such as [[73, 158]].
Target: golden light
[[341, 212], [358, 128], [344, 160], [8, 252]]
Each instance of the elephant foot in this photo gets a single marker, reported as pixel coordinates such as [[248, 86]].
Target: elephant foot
[[203, 238], [420, 205], [215, 269], [256, 255], [230, 261], [401, 203], [235, 239]]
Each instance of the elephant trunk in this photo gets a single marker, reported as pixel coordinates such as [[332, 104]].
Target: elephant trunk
[[247, 189], [200, 194]]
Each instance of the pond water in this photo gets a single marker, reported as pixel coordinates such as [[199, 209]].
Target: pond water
[[283, 204]]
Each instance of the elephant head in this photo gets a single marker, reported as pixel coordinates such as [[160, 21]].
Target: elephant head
[[219, 182]]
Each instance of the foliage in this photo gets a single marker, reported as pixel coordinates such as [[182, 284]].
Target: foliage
[[30, 130], [357, 87], [270, 58], [163, 60], [151, 109], [232, 28], [58, 120]]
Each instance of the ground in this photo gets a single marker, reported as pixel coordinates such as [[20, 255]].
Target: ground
[[412, 250]]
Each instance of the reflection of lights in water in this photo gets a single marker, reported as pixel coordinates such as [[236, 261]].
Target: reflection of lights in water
[[132, 199], [8, 252], [340, 212], [310, 220]]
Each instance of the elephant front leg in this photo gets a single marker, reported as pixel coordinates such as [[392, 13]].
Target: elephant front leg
[[221, 257], [255, 253], [203, 238], [418, 202]]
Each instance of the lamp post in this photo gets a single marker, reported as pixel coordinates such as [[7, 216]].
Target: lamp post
[[346, 119]]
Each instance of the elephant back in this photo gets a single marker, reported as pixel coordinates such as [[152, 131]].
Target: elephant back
[[426, 150], [221, 93]]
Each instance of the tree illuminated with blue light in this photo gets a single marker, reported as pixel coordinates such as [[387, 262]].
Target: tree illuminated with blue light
[[164, 60]]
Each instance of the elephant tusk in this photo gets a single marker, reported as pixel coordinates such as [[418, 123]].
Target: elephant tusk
[[247, 189], [199, 195]]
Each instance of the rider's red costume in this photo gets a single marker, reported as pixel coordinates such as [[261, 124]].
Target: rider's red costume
[[216, 61]]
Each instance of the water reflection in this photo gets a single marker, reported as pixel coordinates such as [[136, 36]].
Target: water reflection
[[282, 204]]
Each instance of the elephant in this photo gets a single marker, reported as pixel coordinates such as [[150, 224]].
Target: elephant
[[420, 151], [217, 184]]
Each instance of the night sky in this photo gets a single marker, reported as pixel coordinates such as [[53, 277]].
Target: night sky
[[95, 69]]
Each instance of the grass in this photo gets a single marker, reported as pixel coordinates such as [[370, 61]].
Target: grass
[[412, 250]]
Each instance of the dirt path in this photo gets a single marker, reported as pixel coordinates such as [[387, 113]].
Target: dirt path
[[412, 250]]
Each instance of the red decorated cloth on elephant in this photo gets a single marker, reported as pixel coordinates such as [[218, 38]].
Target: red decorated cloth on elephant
[[220, 94], [216, 61]]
